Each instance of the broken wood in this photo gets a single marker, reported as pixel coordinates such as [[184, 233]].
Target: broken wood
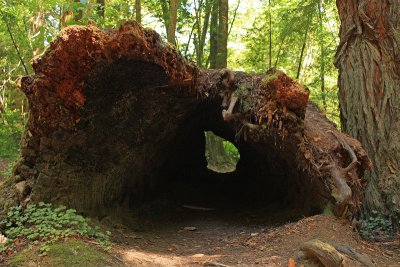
[[333, 255], [107, 105]]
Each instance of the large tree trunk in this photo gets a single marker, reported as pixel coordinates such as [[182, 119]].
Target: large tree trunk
[[368, 59], [117, 116]]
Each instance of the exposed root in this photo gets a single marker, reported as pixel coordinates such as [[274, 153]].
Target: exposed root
[[343, 192]]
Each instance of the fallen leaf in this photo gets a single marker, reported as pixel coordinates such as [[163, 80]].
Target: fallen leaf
[[3, 239], [317, 138], [292, 263]]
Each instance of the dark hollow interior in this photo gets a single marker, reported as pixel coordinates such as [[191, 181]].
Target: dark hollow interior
[[138, 141]]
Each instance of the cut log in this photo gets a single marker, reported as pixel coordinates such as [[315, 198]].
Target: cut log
[[118, 114]]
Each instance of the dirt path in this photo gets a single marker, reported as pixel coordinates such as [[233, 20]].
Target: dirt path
[[228, 239]]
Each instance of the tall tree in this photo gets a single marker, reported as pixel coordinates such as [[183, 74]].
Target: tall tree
[[173, 13], [222, 55], [218, 59], [101, 8], [214, 34], [138, 11], [201, 28], [369, 65]]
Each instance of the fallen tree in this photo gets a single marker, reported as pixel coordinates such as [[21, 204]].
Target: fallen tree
[[118, 115]]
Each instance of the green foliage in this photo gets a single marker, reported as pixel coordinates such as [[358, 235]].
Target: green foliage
[[303, 44], [232, 152], [42, 224], [11, 128], [376, 227]]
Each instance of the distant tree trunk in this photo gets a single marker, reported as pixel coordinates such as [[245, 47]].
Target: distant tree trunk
[[218, 59], [65, 15], [100, 8], [79, 14], [303, 47], [214, 34], [270, 34], [322, 46], [222, 55], [173, 13], [138, 11], [200, 37], [369, 77], [38, 20]]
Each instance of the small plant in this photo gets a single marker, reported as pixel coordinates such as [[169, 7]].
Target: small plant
[[376, 227], [43, 224]]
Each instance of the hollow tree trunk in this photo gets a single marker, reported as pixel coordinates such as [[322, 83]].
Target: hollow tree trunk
[[118, 114], [369, 66]]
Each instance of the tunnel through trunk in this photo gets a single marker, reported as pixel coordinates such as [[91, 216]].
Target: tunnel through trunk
[[118, 118]]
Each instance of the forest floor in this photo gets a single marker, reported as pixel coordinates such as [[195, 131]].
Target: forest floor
[[161, 234], [240, 238]]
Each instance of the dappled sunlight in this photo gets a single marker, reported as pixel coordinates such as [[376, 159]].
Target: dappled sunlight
[[136, 257]]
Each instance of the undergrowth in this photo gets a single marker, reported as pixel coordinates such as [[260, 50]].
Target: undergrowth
[[376, 227], [11, 128], [42, 225]]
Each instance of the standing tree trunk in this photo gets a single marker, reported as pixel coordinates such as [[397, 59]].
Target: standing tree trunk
[[222, 55], [368, 59], [100, 8], [270, 34], [78, 14], [173, 13], [303, 47], [219, 47], [138, 11], [214, 35], [322, 46]]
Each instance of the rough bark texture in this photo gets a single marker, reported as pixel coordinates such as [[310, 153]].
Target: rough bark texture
[[118, 116], [368, 59]]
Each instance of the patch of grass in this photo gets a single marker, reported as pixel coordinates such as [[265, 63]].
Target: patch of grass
[[71, 252]]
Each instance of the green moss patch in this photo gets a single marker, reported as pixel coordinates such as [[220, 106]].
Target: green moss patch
[[71, 252]]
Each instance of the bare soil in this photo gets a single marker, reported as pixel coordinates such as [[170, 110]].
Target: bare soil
[[234, 238]]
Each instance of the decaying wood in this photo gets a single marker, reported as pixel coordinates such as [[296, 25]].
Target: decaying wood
[[101, 104], [323, 252], [333, 255]]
